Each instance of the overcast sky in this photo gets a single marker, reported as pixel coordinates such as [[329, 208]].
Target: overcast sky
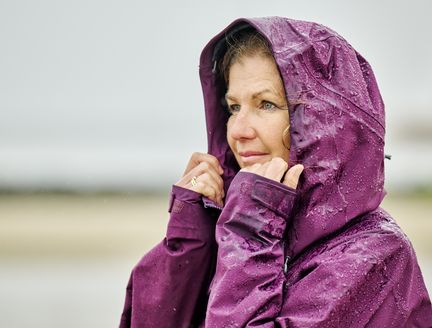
[[106, 93]]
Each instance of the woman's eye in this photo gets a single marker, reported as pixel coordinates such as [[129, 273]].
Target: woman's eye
[[267, 105], [234, 108]]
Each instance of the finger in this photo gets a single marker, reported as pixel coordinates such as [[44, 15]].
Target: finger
[[208, 190], [198, 158], [213, 180], [194, 160], [292, 176], [205, 189], [206, 168], [276, 169], [252, 169], [205, 174], [258, 168]]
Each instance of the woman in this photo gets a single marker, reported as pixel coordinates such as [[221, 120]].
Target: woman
[[279, 224]]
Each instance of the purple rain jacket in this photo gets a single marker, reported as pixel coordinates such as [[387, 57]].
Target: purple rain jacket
[[324, 255]]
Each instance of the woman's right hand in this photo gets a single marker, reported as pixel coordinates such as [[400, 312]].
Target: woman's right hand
[[206, 171]]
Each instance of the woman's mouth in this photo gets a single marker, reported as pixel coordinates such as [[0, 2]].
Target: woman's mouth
[[251, 157]]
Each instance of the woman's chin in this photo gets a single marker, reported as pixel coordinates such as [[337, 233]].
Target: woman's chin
[[252, 160]]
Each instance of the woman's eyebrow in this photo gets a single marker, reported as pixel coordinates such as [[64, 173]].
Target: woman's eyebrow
[[254, 95]]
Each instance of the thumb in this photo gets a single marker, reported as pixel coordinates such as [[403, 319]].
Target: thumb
[[292, 176]]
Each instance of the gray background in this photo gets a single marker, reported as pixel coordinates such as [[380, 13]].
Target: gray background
[[105, 94]]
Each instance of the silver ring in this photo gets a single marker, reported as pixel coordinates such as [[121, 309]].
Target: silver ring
[[194, 181]]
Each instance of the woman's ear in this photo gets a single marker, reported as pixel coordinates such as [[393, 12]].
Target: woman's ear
[[286, 138]]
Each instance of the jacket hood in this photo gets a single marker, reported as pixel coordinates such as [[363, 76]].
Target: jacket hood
[[336, 123]]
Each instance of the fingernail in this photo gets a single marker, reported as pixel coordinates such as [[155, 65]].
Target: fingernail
[[300, 170]]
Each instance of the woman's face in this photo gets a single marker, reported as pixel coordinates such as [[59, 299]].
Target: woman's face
[[259, 112]]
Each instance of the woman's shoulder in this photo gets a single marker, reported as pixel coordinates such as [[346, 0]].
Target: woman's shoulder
[[375, 224], [377, 231], [374, 238], [368, 267]]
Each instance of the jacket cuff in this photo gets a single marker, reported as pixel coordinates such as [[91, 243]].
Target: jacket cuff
[[179, 196], [188, 217], [271, 194], [274, 195]]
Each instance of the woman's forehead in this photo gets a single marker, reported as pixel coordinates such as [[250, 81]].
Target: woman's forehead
[[255, 77]]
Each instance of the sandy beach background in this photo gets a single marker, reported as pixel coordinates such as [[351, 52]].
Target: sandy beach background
[[65, 258]]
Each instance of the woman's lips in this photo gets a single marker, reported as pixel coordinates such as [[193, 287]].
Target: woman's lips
[[251, 157]]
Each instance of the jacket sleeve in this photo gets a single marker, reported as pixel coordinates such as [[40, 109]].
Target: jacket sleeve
[[168, 287], [369, 280], [247, 289], [372, 279]]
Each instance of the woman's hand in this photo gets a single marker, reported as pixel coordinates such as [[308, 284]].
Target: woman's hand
[[203, 175], [275, 170]]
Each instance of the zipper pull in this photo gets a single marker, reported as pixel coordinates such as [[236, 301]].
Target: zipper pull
[[210, 204], [287, 258]]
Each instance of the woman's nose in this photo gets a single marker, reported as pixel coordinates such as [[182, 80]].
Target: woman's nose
[[240, 126]]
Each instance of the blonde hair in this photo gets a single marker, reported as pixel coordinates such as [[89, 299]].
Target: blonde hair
[[242, 44]]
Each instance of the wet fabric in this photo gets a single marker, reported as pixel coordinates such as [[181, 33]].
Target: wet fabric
[[323, 255]]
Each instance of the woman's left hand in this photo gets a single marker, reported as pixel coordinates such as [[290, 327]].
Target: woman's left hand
[[275, 170]]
